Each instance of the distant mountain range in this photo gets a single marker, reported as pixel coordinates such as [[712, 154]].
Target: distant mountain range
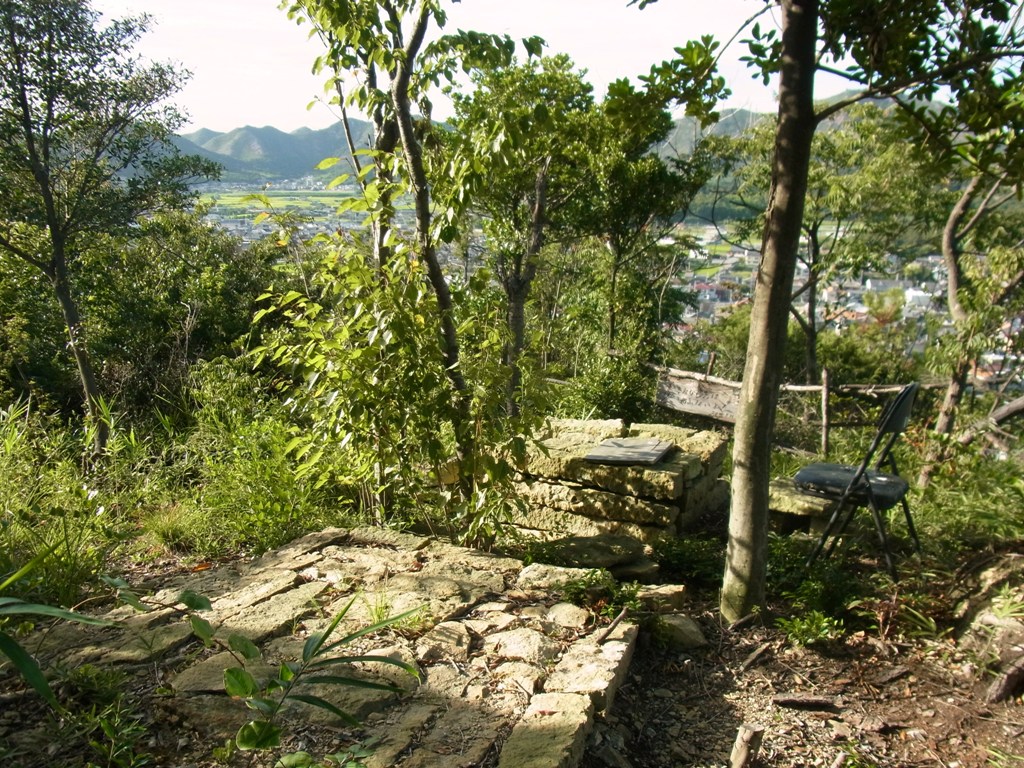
[[267, 154]]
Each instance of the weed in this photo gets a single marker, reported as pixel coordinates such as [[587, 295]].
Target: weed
[[997, 758], [25, 665], [693, 560], [1008, 603], [811, 628], [600, 592], [113, 733], [315, 667]]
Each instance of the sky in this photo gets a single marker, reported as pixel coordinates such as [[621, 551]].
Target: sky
[[251, 65]]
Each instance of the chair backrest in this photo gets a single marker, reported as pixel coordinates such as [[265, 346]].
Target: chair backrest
[[891, 424]]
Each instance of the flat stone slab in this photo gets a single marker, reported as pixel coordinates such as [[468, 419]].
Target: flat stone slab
[[564, 457], [784, 496], [630, 450], [595, 670]]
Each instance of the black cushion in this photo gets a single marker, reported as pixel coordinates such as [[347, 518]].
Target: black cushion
[[831, 480]]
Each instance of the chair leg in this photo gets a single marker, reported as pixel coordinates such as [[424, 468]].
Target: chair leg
[[829, 528], [884, 541], [910, 525], [840, 531]]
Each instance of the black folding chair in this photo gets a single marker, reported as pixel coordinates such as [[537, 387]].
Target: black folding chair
[[867, 485]]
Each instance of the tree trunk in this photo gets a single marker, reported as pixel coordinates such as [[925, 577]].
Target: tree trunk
[[517, 283], [955, 282], [612, 288], [1011, 410], [811, 328], [946, 420], [80, 353], [746, 557], [421, 198], [515, 292]]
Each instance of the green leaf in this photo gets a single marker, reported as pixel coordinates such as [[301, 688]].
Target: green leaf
[[194, 601], [201, 628], [10, 606], [315, 642], [243, 646], [27, 668], [371, 628], [238, 683], [350, 682], [260, 217], [316, 701], [295, 760], [534, 45], [266, 707], [258, 734], [338, 180], [327, 162], [128, 597], [30, 566]]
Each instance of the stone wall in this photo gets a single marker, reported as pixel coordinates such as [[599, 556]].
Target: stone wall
[[569, 496]]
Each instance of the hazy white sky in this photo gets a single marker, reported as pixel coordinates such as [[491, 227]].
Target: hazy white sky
[[250, 65]]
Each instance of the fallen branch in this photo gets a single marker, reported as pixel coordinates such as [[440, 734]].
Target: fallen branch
[[611, 627]]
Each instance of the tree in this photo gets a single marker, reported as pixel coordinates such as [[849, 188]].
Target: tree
[[84, 149], [637, 196], [904, 49], [548, 127], [864, 202]]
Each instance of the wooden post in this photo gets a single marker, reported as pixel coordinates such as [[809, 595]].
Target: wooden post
[[824, 413], [711, 364], [746, 746]]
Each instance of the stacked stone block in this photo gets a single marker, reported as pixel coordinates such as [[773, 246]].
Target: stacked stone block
[[567, 495]]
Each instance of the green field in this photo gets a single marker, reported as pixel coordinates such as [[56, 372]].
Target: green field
[[234, 202]]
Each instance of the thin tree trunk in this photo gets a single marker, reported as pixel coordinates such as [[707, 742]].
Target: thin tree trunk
[[517, 284], [955, 282], [421, 197], [612, 289], [746, 559], [80, 353], [946, 420]]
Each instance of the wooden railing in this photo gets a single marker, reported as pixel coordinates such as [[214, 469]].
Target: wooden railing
[[711, 397]]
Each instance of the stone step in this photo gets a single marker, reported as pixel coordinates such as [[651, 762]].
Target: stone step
[[503, 666]]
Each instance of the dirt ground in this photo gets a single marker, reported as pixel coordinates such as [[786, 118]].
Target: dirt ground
[[858, 701]]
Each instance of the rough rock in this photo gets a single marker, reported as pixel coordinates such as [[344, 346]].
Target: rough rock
[[567, 615], [784, 496], [549, 523], [522, 645], [596, 551], [552, 733], [563, 457], [448, 640], [540, 576], [643, 569], [707, 445], [596, 670], [682, 632], [597, 504], [664, 598]]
